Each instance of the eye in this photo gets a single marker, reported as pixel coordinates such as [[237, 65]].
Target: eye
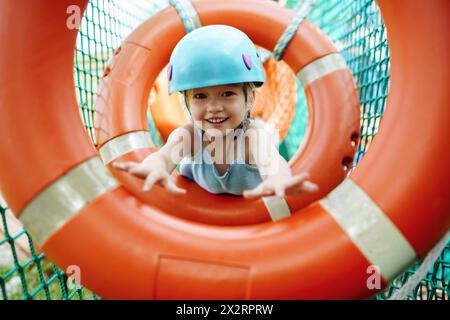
[[199, 96], [228, 93]]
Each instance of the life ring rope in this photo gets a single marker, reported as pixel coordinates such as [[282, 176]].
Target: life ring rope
[[291, 29], [188, 14]]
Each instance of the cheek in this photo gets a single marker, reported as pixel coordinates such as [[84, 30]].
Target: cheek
[[238, 110], [236, 104], [197, 112]]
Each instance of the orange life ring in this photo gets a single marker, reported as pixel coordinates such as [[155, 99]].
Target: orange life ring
[[51, 176], [329, 143]]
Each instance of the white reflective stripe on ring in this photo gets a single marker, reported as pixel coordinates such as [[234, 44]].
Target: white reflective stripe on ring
[[321, 67], [378, 239], [123, 144], [64, 198], [277, 207]]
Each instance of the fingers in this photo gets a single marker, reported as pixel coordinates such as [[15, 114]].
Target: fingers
[[166, 181], [297, 179], [309, 186], [253, 193], [260, 191], [300, 184], [135, 168], [171, 186], [140, 171], [303, 184], [292, 186], [124, 166], [279, 190], [151, 179]]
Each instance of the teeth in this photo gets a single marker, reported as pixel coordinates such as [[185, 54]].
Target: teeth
[[216, 120]]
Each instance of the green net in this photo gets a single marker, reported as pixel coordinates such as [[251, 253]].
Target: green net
[[357, 30]]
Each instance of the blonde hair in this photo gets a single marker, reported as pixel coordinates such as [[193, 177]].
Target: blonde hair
[[248, 87]]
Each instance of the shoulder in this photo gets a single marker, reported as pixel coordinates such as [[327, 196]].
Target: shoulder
[[184, 131], [258, 134], [183, 135], [260, 131], [257, 124]]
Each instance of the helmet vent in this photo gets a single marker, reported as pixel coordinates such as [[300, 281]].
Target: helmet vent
[[169, 72], [247, 61]]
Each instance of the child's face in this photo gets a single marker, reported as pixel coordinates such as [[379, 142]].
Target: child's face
[[218, 109]]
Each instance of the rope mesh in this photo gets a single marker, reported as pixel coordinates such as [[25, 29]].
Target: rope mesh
[[356, 28]]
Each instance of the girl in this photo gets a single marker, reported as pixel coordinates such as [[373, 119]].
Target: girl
[[217, 69]]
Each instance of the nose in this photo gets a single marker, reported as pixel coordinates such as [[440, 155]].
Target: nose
[[214, 105]]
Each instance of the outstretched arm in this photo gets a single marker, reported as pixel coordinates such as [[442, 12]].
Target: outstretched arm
[[273, 168], [158, 166]]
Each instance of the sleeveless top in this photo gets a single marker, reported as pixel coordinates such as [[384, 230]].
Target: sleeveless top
[[239, 177]]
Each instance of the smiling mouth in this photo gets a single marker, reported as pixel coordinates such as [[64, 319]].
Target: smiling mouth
[[216, 120]]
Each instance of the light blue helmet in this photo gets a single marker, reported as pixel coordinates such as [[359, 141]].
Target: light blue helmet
[[214, 55]]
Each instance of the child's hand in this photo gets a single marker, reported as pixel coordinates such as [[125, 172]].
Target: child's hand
[[281, 186], [152, 174]]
